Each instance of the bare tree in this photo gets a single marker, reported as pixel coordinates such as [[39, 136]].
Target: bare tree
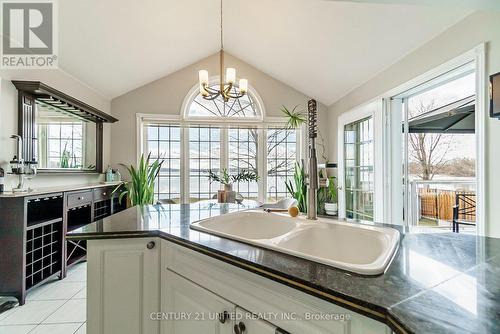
[[429, 150], [276, 138]]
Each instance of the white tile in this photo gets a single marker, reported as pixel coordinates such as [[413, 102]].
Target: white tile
[[77, 274], [56, 328], [16, 329], [33, 312], [5, 314], [82, 329], [56, 290], [74, 310], [81, 295]]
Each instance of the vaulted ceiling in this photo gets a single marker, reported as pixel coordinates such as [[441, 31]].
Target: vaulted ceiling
[[322, 48]]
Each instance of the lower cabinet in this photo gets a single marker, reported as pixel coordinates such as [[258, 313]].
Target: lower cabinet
[[123, 286], [152, 286], [246, 322], [189, 308]]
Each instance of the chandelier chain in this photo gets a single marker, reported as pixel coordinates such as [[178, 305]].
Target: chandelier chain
[[221, 28]]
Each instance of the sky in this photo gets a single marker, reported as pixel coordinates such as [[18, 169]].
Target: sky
[[463, 145]]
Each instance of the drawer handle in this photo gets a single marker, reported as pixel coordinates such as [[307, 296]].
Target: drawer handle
[[223, 317], [151, 245], [104, 194], [239, 328], [81, 198]]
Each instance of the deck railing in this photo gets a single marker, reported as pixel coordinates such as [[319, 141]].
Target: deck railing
[[434, 200]]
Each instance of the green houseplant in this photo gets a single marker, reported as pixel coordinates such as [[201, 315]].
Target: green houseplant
[[227, 180], [295, 118], [331, 206], [298, 189], [228, 195], [140, 190]]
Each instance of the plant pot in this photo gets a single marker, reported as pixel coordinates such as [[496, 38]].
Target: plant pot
[[331, 209], [230, 196], [227, 195]]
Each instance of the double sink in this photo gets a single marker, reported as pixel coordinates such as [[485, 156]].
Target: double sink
[[362, 249]]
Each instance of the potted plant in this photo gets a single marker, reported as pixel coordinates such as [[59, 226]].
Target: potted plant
[[140, 190], [331, 206], [298, 189], [228, 195]]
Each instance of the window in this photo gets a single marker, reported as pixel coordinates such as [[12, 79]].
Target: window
[[204, 155], [243, 143], [244, 107], [164, 141], [281, 158], [216, 135], [64, 144]]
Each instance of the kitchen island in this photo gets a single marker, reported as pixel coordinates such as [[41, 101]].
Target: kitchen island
[[436, 283]]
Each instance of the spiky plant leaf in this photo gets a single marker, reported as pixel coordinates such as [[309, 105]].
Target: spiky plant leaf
[[140, 188], [295, 118]]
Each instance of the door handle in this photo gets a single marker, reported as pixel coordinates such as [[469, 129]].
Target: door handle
[[150, 245], [239, 328], [223, 317]]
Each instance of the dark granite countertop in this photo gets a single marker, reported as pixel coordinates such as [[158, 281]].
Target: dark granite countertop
[[58, 189], [436, 283]]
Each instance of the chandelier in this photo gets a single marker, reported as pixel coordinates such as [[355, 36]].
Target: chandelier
[[226, 84]]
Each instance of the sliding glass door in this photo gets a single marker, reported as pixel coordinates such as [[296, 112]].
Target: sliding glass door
[[358, 171]]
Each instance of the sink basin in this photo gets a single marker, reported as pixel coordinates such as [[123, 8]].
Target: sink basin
[[247, 225], [361, 249]]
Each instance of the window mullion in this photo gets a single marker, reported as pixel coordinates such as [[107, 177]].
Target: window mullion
[[184, 164], [224, 146], [262, 163]]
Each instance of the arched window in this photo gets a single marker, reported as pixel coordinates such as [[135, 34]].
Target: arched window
[[246, 107], [211, 135]]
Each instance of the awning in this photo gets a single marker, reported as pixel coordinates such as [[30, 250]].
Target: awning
[[456, 117]]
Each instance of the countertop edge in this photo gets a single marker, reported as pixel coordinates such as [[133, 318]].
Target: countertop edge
[[49, 190], [375, 312]]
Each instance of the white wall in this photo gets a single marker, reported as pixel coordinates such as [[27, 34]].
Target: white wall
[[165, 96], [8, 119], [477, 28]]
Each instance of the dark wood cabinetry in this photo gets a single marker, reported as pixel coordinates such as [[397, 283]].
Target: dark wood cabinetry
[[33, 246]]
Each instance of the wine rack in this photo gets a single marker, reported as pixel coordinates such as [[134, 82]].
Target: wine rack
[[102, 209], [43, 251]]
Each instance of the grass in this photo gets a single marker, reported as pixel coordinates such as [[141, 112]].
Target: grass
[[428, 222]]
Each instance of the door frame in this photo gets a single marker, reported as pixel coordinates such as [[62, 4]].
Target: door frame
[[374, 110], [478, 56]]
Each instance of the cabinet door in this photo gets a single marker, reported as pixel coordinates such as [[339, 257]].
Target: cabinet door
[[247, 323], [191, 309], [123, 288]]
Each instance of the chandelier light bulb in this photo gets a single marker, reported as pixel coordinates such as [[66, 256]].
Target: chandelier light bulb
[[243, 85], [230, 75]]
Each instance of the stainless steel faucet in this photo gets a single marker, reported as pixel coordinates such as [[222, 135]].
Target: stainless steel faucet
[[312, 203]]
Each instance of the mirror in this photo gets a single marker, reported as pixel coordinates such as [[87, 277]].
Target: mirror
[[64, 140], [59, 133]]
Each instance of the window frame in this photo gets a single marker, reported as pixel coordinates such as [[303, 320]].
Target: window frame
[[142, 121], [184, 121]]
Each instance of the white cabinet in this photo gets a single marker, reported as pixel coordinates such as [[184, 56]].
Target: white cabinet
[[152, 286], [123, 286], [188, 308], [249, 323]]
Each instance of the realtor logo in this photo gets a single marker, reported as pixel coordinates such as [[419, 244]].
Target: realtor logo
[[29, 35]]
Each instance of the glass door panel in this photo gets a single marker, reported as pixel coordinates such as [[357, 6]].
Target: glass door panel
[[358, 169]]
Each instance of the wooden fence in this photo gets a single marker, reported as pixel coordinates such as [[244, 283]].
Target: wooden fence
[[438, 204]]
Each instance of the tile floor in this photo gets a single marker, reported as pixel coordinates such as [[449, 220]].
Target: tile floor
[[56, 307]]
